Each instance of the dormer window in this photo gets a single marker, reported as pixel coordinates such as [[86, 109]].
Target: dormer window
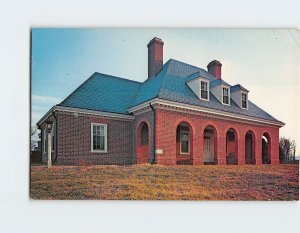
[[204, 90], [199, 85], [225, 95], [244, 100], [239, 95]]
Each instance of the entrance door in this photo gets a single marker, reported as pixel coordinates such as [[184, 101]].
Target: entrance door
[[208, 149]]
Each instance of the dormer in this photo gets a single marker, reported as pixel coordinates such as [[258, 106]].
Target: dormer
[[240, 96], [199, 85], [221, 91]]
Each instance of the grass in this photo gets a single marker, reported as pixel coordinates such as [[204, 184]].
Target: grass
[[154, 182]]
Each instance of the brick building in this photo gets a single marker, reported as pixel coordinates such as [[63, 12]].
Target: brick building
[[181, 114]]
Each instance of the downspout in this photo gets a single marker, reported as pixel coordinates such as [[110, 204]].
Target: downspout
[[154, 134], [56, 132]]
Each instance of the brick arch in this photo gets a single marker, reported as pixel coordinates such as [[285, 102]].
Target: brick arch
[[142, 151], [184, 125], [215, 128], [250, 147], [232, 148], [266, 148], [184, 120], [215, 143]]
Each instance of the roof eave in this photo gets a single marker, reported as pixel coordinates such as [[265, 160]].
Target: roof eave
[[205, 110]]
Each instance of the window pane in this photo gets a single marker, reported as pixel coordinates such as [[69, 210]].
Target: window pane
[[244, 104], [244, 97], [101, 143], [184, 137], [101, 131], [184, 146], [225, 100], [204, 94], [184, 140]]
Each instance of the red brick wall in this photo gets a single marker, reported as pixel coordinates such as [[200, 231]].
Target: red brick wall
[[148, 118], [74, 140], [167, 121]]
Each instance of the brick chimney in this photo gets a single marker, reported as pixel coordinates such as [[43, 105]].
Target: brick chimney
[[214, 68], [155, 56]]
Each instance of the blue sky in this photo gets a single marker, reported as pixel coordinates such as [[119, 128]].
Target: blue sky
[[266, 62]]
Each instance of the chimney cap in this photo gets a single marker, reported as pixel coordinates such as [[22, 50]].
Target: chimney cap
[[155, 40], [214, 62]]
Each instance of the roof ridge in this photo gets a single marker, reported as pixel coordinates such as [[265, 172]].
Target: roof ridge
[[195, 67], [112, 76], [81, 85], [164, 78], [185, 63]]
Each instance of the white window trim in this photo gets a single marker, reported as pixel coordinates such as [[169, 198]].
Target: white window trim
[[202, 80], [242, 92], [105, 140], [181, 132], [223, 95]]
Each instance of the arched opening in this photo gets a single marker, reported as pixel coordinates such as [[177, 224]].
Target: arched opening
[[231, 147], [210, 145], [143, 143], [144, 135], [249, 148], [184, 144], [266, 149]]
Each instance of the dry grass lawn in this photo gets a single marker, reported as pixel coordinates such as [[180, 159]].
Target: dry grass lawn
[[154, 182]]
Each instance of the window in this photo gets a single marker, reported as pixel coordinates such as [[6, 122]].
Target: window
[[184, 142], [99, 137], [225, 95], [204, 90], [244, 100]]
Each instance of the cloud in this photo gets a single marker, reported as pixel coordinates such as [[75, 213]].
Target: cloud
[[41, 105], [45, 99]]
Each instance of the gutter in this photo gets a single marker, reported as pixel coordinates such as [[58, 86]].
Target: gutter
[[154, 134]]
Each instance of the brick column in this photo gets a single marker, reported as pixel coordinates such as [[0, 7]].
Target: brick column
[[258, 149], [241, 149], [165, 140], [275, 147], [197, 148], [221, 148]]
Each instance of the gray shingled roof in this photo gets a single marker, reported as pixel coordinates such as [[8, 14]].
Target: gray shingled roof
[[112, 94]]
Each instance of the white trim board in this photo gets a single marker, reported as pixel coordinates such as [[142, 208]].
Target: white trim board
[[84, 111], [206, 110]]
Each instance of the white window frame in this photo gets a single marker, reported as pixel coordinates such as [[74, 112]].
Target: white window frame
[[200, 96], [242, 100], [105, 139], [228, 89], [182, 132]]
